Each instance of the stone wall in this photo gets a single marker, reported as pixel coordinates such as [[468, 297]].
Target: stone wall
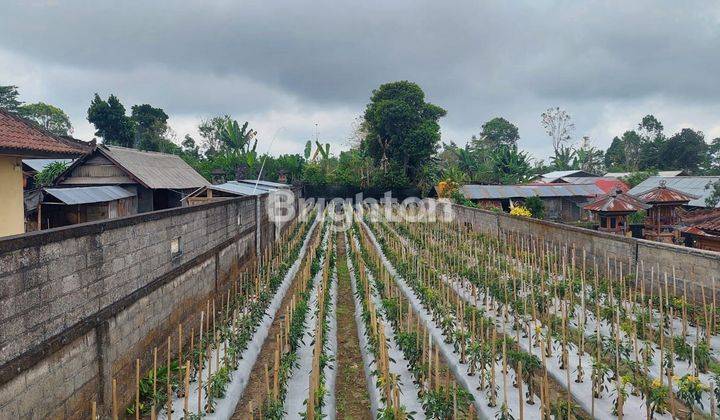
[[698, 267], [79, 304]]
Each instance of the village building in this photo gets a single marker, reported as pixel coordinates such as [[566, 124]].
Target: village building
[[665, 174], [230, 189], [69, 206], [22, 139], [611, 211], [698, 186], [663, 217], [562, 201], [554, 176], [157, 180], [701, 228], [605, 183]]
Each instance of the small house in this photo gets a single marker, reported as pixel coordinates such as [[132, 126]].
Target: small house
[[157, 180], [562, 201], [611, 211], [662, 217], [699, 186], [69, 206], [23, 139]]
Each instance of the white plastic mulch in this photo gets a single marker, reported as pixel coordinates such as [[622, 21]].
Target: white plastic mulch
[[459, 370], [226, 407]]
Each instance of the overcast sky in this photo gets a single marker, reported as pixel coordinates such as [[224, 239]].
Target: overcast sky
[[287, 65]]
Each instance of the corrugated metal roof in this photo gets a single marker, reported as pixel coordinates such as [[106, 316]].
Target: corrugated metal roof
[[156, 170], [87, 195], [498, 192], [694, 185], [617, 202], [660, 173], [552, 176], [665, 194], [240, 188], [266, 183], [40, 164]]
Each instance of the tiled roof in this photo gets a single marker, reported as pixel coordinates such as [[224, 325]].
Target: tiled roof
[[25, 138], [616, 202]]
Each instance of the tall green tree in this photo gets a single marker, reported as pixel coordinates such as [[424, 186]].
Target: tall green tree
[[110, 121], [650, 130], [9, 98], [631, 143], [49, 117], [615, 155], [211, 130], [496, 132], [151, 127], [402, 129], [685, 150]]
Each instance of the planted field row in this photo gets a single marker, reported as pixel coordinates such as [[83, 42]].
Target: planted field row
[[202, 372], [646, 343]]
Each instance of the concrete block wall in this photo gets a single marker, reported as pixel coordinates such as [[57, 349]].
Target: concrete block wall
[[697, 267], [79, 304]]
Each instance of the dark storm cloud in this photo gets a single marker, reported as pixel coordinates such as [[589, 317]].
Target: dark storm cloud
[[476, 59]]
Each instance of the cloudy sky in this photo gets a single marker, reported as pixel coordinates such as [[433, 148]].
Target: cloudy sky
[[287, 65]]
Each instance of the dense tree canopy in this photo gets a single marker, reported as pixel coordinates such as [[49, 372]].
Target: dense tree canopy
[[110, 121], [9, 98], [402, 129], [49, 117]]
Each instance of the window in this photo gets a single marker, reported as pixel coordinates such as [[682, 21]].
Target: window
[[176, 247]]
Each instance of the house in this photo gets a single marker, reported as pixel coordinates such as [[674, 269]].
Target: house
[[611, 211], [22, 139], [229, 189], [157, 180], [606, 184], [663, 216], [692, 185], [665, 174], [69, 206], [701, 228], [562, 201], [556, 175]]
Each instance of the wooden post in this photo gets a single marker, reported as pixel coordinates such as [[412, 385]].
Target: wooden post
[[137, 389]]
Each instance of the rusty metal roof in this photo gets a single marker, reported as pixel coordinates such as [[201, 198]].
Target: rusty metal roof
[[617, 202], [695, 185], [664, 194], [499, 192]]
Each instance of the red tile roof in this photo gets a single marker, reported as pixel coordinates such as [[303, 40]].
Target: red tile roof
[[664, 194], [19, 136], [617, 202]]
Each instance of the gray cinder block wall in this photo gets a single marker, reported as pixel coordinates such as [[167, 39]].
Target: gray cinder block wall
[[79, 304], [699, 268]]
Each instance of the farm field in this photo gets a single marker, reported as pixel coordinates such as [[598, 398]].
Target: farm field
[[391, 319]]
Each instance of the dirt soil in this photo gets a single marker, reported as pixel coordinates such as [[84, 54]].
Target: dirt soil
[[352, 401]]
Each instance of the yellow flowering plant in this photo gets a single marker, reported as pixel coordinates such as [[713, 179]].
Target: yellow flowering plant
[[520, 211]]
